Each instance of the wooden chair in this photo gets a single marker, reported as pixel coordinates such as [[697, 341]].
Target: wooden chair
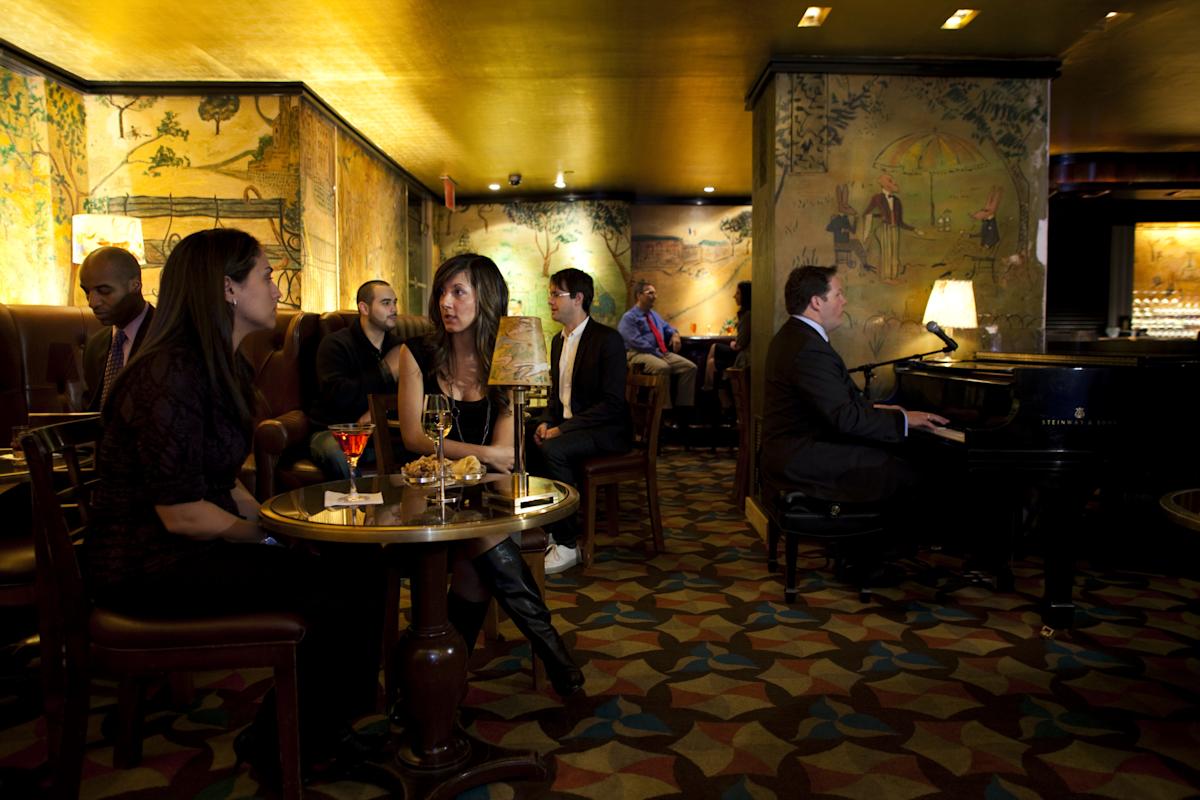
[[383, 414], [78, 638], [646, 395], [739, 381]]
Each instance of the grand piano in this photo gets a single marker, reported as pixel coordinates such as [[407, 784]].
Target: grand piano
[[1051, 429]]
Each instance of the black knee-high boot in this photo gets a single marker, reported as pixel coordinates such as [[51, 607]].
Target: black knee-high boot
[[507, 575], [467, 617]]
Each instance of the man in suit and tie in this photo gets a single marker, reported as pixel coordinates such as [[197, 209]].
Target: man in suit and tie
[[112, 280], [587, 414], [820, 433], [887, 212]]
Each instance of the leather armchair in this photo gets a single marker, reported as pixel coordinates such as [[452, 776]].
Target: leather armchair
[[41, 361], [283, 361]]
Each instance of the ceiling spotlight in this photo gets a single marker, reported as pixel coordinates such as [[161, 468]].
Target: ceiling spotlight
[[1110, 14], [559, 181], [495, 187], [709, 189], [514, 179], [814, 17], [960, 19]]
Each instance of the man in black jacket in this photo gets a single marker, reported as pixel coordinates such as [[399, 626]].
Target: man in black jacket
[[587, 414], [357, 361], [820, 433], [112, 280]]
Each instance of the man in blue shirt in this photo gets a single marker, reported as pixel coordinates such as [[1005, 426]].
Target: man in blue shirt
[[654, 344]]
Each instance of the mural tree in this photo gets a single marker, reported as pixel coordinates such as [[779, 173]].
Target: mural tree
[[611, 221], [1002, 114], [164, 156], [737, 228], [812, 115], [135, 102], [27, 123], [552, 225], [219, 107]]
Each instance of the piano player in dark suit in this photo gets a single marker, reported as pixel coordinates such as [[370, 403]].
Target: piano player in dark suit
[[820, 434], [587, 414], [112, 280]]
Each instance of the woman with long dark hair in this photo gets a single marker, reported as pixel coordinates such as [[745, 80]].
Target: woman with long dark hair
[[469, 297], [722, 356], [173, 531]]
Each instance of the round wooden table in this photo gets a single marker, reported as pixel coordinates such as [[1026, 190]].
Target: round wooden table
[[1183, 507], [434, 759]]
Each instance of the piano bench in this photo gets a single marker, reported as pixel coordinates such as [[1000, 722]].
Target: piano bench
[[798, 516]]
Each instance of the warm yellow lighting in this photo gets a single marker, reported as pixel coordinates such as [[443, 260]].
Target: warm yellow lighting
[[1110, 15], [960, 19], [709, 189], [952, 305], [92, 231], [559, 181], [495, 187], [814, 17]]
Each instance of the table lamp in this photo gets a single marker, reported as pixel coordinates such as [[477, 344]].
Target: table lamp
[[519, 360], [952, 305], [92, 231]]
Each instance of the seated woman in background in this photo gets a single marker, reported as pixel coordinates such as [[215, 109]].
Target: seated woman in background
[[175, 534], [722, 356], [469, 297]]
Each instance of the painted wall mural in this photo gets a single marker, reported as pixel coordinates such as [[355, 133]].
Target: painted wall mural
[[372, 213], [694, 254], [902, 180], [274, 165], [43, 178], [187, 163]]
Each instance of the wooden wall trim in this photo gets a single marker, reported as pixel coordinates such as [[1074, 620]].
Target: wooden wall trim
[[1047, 68]]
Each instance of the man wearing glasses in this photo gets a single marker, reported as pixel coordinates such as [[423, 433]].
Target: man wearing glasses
[[587, 414]]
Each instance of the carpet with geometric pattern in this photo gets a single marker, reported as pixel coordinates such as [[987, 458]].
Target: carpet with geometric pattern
[[702, 683]]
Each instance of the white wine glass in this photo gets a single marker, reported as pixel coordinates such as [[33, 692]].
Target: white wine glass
[[437, 420]]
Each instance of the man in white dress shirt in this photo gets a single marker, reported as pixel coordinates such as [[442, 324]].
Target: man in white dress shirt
[[587, 414]]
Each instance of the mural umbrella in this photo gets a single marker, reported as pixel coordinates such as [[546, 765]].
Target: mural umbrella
[[933, 152]]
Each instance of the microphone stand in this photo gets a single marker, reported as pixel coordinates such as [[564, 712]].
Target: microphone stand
[[868, 370]]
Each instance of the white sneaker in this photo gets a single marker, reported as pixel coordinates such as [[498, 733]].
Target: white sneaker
[[559, 559]]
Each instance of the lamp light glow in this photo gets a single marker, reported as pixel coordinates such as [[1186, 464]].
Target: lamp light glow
[[960, 19], [519, 360], [814, 17], [92, 231]]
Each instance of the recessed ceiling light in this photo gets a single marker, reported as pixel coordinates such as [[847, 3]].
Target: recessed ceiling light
[[960, 19], [1111, 14], [710, 189], [814, 17], [495, 187], [559, 181]]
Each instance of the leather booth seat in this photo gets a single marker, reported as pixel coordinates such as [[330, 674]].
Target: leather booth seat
[[41, 361], [284, 364]]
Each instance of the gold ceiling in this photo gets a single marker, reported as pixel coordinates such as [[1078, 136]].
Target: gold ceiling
[[642, 96]]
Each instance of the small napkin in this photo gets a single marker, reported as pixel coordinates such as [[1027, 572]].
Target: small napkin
[[339, 499]]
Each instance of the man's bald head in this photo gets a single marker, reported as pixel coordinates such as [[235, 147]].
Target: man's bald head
[[112, 280]]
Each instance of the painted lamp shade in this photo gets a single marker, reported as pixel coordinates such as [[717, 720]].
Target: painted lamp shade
[[952, 305], [92, 231], [519, 358]]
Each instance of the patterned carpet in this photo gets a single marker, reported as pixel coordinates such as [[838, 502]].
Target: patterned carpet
[[703, 684]]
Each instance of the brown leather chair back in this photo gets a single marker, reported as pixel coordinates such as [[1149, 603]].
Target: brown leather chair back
[[284, 361], [41, 360], [407, 325]]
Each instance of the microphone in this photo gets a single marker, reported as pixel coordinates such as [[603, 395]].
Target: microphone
[[937, 331]]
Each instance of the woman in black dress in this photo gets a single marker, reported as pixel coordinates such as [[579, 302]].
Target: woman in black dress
[[469, 297], [173, 531]]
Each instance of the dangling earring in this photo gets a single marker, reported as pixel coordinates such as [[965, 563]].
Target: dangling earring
[[233, 302]]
